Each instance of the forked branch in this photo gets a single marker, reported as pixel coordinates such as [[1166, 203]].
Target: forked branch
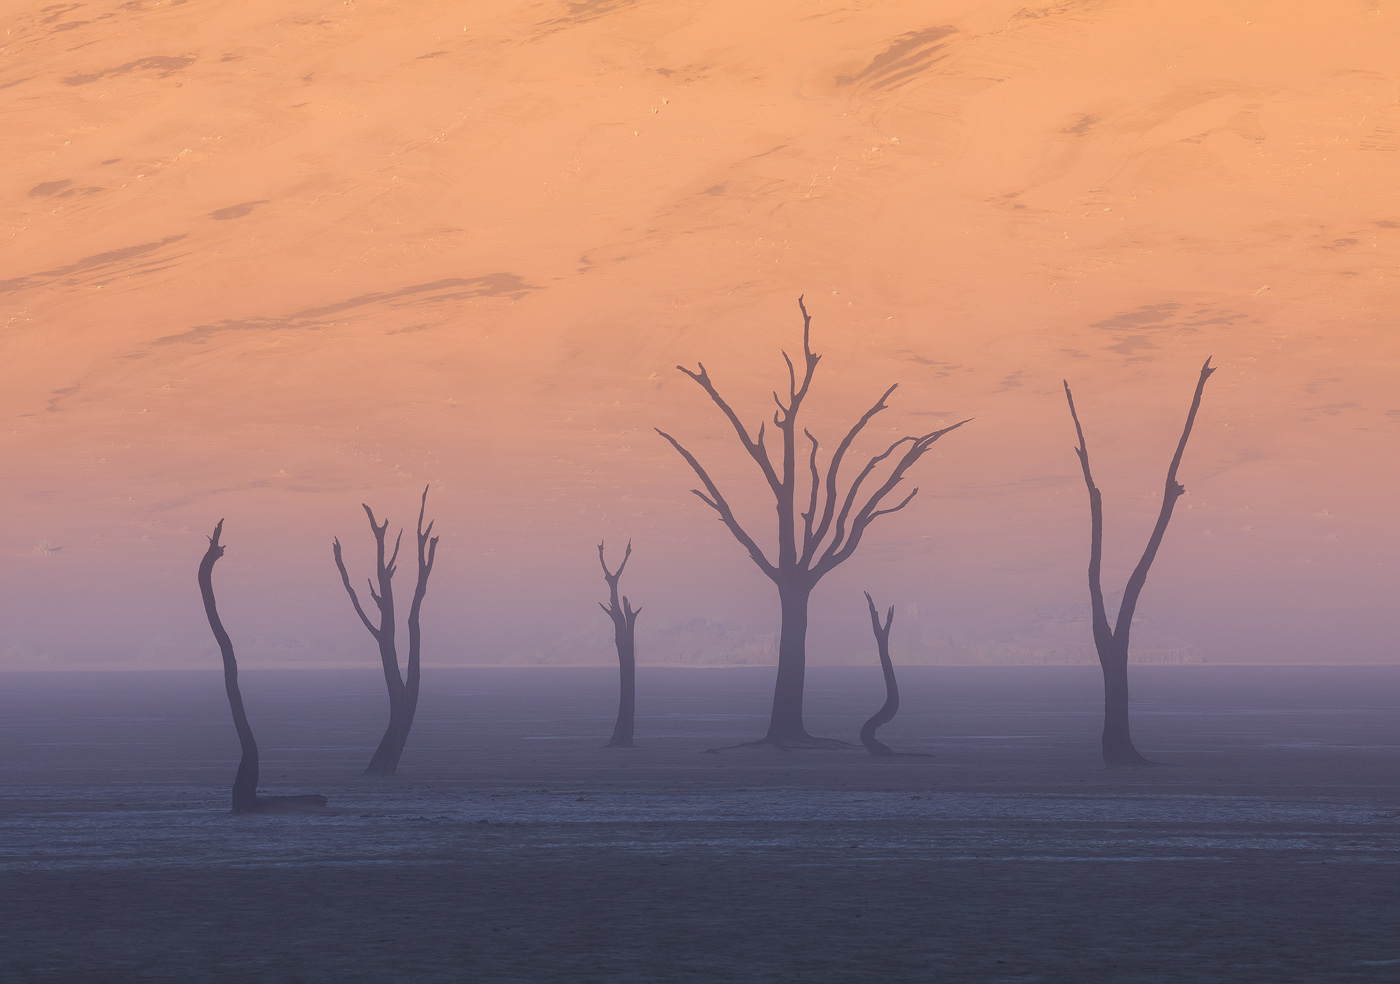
[[1172, 491], [716, 501], [844, 544]]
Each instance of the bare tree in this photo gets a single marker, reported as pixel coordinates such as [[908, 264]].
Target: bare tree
[[891, 706], [812, 541], [624, 620], [245, 782], [1112, 643], [403, 690]]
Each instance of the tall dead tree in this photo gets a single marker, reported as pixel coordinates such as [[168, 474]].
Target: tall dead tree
[[245, 782], [886, 713], [1112, 642], [624, 619], [815, 533], [403, 690]]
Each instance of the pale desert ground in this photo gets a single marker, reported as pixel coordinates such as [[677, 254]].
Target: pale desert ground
[[511, 847]]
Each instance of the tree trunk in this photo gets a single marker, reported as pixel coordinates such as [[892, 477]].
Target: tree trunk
[[624, 619], [245, 782], [1118, 748], [886, 713], [385, 760], [786, 725], [627, 694], [403, 693]]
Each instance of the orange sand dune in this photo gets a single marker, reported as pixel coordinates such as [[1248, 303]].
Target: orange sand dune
[[264, 261]]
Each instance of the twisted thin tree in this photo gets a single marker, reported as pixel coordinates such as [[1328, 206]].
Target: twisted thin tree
[[624, 619], [403, 690], [1112, 642], [887, 712], [245, 782], [817, 532]]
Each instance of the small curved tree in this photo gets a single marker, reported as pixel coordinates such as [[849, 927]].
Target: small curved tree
[[815, 533], [403, 690], [887, 712], [1112, 642], [245, 782], [624, 619]]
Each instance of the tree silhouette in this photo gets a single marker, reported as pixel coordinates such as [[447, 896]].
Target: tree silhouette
[[403, 690], [1112, 642], [891, 706], [813, 541], [245, 782], [624, 620]]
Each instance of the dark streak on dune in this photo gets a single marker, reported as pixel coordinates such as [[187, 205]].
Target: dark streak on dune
[[908, 56], [58, 396], [234, 211], [48, 188], [88, 263], [162, 65], [491, 285]]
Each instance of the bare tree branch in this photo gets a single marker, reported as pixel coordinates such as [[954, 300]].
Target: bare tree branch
[[717, 502], [808, 516], [839, 551], [427, 554], [807, 354], [1103, 635], [354, 599], [885, 512], [810, 547], [755, 448], [1171, 493]]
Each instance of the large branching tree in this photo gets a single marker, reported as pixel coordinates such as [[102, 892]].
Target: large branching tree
[[403, 689], [819, 527], [245, 781], [1111, 642]]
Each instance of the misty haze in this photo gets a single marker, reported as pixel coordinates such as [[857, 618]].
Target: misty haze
[[892, 491]]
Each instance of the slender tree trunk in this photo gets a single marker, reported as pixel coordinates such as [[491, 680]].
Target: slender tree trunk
[[627, 691], [1112, 641], [624, 619], [886, 713], [1118, 748], [245, 783], [786, 725], [402, 691], [385, 760]]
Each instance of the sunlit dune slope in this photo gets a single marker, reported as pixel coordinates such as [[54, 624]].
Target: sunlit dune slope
[[265, 261]]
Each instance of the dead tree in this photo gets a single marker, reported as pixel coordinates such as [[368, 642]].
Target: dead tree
[[245, 782], [403, 690], [624, 620], [1112, 643], [886, 713], [816, 533]]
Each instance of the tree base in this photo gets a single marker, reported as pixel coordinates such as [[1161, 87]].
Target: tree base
[[1126, 757], [789, 744], [880, 750]]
